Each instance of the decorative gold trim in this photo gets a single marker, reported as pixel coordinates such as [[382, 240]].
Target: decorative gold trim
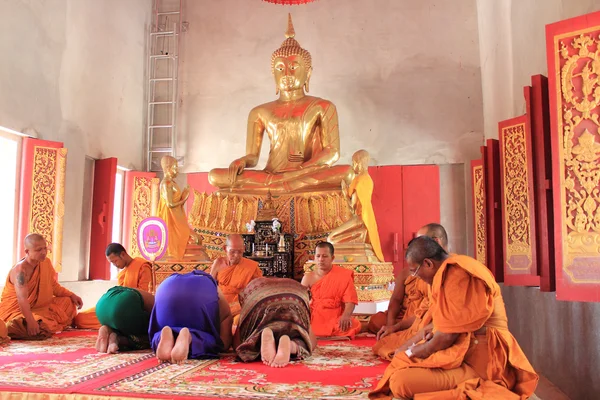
[[480, 223], [577, 101], [517, 197], [141, 208], [46, 209]]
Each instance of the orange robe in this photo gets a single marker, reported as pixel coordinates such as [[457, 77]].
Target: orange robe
[[415, 291], [386, 347], [363, 186], [177, 226], [137, 275], [233, 279], [3, 332], [327, 304], [50, 303], [465, 298]]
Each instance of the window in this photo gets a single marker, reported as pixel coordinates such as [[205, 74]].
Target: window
[[9, 165], [117, 223]]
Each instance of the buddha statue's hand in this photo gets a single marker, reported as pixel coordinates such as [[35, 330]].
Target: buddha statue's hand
[[236, 168]]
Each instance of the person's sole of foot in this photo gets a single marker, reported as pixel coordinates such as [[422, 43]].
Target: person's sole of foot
[[267, 346], [182, 347], [102, 340], [282, 358], [165, 345], [113, 343]]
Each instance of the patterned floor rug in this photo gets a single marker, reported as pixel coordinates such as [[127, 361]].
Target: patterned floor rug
[[69, 364]]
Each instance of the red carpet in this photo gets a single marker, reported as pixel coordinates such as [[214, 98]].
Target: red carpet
[[69, 364]]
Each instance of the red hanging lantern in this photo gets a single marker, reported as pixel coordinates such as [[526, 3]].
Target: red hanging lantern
[[289, 2]]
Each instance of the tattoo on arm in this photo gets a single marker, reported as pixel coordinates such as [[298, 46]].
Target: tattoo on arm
[[21, 279]]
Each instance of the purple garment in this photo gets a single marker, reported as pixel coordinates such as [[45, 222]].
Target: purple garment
[[188, 301]]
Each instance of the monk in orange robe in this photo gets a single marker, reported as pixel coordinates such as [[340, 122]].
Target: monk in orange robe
[[34, 305], [3, 332], [234, 272], [409, 293], [333, 296], [134, 273], [386, 346], [470, 351]]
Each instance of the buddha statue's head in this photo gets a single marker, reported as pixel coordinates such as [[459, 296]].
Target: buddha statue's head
[[291, 64], [360, 161], [169, 166]]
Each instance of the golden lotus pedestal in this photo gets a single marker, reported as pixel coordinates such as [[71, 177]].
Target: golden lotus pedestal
[[371, 280], [161, 270], [309, 217]]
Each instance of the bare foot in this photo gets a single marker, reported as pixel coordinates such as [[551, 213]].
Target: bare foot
[[182, 347], [282, 358], [165, 346], [267, 346], [113, 343], [102, 340]]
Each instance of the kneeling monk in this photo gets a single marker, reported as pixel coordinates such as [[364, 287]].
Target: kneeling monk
[[34, 305], [234, 272], [274, 322], [190, 319], [470, 353], [134, 273], [125, 315], [333, 296]]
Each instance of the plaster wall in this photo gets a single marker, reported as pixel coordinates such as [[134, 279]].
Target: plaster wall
[[560, 338], [73, 71], [404, 76]]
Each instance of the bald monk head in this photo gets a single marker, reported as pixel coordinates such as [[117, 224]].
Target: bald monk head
[[35, 248], [234, 247], [424, 257], [436, 232]]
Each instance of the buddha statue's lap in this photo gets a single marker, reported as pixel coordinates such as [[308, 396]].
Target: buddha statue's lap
[[302, 130]]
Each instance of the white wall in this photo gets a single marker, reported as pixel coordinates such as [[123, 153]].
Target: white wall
[[512, 46], [404, 76], [73, 70]]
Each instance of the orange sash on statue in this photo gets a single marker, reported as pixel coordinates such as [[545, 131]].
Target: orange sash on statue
[[464, 298], [233, 279], [177, 226], [363, 186], [137, 275], [327, 304], [49, 302]]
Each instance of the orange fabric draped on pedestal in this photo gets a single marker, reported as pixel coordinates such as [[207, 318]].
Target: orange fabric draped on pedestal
[[50, 303], [327, 305], [233, 279], [464, 298], [137, 275]]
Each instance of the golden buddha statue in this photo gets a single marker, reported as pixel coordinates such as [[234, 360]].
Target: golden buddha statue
[[358, 239], [268, 211], [303, 132], [182, 242]]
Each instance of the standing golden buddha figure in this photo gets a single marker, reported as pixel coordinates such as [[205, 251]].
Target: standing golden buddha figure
[[182, 242], [358, 239], [303, 132]]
